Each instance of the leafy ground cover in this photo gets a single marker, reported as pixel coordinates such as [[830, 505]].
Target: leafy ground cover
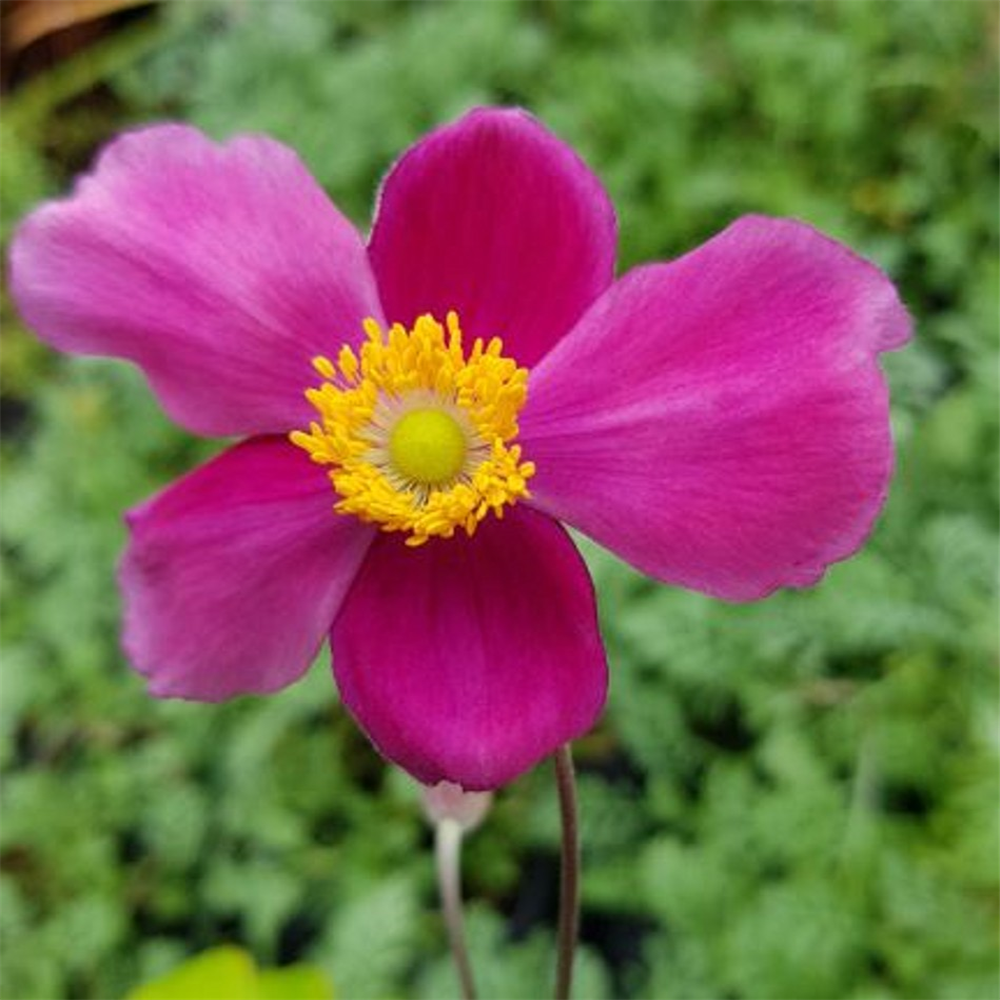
[[790, 799]]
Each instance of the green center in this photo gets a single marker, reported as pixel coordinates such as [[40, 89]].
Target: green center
[[427, 446]]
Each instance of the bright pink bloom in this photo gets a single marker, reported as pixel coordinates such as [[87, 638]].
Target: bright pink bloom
[[720, 421]]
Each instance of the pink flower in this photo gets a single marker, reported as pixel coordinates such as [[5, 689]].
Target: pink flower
[[719, 421]]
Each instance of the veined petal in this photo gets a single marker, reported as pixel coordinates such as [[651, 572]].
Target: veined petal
[[470, 659], [234, 574], [494, 217], [221, 270], [720, 421]]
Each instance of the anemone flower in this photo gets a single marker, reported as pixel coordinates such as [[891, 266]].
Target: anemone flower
[[421, 415]]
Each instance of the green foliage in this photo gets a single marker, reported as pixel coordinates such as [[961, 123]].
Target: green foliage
[[789, 799]]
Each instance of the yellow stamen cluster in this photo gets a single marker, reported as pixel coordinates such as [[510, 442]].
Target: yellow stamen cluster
[[420, 384]]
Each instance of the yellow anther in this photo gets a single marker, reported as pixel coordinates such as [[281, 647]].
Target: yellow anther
[[324, 367], [416, 432]]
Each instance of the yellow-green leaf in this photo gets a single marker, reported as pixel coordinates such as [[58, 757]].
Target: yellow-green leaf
[[295, 982], [224, 973]]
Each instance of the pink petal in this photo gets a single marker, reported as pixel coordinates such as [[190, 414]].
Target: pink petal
[[220, 270], [721, 421], [469, 660], [234, 574], [495, 217]]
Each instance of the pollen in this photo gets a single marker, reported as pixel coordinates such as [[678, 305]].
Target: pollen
[[419, 433]]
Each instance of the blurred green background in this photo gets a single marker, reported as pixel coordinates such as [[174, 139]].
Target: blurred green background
[[790, 799]]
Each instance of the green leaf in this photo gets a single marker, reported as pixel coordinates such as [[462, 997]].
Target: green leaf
[[224, 973], [295, 982], [229, 973]]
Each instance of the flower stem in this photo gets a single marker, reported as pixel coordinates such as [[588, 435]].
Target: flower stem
[[569, 888], [448, 851]]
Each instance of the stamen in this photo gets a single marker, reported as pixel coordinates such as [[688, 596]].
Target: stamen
[[417, 434]]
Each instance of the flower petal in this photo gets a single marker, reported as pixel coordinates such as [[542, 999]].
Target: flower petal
[[220, 270], [494, 217], [234, 574], [469, 660], [721, 421]]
